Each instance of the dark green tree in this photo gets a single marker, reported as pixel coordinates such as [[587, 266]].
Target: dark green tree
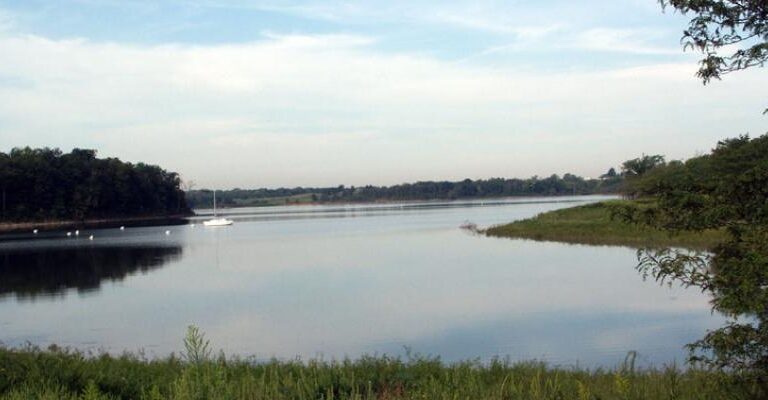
[[728, 190], [641, 165], [610, 174], [46, 184]]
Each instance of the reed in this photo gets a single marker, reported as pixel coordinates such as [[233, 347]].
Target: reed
[[58, 373]]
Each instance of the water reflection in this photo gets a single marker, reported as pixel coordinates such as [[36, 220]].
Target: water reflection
[[333, 211], [346, 281], [33, 273]]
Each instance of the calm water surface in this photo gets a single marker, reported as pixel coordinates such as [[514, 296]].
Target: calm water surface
[[334, 281]]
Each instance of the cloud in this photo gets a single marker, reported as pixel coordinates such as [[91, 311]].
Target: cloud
[[634, 41], [7, 22], [586, 42], [304, 109], [486, 24], [480, 16]]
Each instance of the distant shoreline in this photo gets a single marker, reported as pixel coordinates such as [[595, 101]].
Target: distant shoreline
[[178, 219], [175, 219], [566, 185], [391, 201]]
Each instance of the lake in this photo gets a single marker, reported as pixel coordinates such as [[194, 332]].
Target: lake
[[344, 280]]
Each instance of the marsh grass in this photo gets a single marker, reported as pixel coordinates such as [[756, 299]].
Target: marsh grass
[[594, 224], [63, 374]]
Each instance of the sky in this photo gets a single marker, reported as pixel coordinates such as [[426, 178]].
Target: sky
[[236, 93]]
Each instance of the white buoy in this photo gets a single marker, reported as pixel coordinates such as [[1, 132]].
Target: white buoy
[[77, 233], [69, 234], [122, 228], [167, 232], [34, 231], [90, 237], [191, 225]]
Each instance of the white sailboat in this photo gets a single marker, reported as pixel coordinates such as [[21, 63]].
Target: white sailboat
[[217, 221]]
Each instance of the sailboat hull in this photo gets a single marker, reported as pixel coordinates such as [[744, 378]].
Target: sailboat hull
[[218, 222]]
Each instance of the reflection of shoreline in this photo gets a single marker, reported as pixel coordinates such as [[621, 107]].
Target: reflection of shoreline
[[279, 213], [32, 273], [396, 205], [94, 223]]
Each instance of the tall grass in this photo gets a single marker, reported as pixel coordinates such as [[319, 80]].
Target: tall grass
[[62, 374]]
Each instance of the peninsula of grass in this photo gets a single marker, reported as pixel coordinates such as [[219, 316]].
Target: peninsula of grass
[[69, 375], [593, 224]]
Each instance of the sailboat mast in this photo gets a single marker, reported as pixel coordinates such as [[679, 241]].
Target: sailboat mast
[[216, 221]]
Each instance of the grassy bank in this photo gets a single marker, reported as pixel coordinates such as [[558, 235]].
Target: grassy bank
[[593, 224], [60, 374]]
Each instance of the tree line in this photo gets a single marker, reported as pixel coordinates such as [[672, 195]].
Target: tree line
[[553, 185], [726, 189], [47, 184]]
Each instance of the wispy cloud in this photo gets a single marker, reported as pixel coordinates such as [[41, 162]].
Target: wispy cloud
[[465, 15], [319, 41], [333, 10], [634, 41], [7, 22], [558, 38], [483, 23]]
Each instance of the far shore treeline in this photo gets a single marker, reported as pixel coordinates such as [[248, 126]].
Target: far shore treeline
[[553, 185], [45, 184], [48, 185]]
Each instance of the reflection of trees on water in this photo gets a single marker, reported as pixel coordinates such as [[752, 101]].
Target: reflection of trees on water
[[29, 273]]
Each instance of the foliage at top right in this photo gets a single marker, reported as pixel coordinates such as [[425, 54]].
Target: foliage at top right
[[719, 25]]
